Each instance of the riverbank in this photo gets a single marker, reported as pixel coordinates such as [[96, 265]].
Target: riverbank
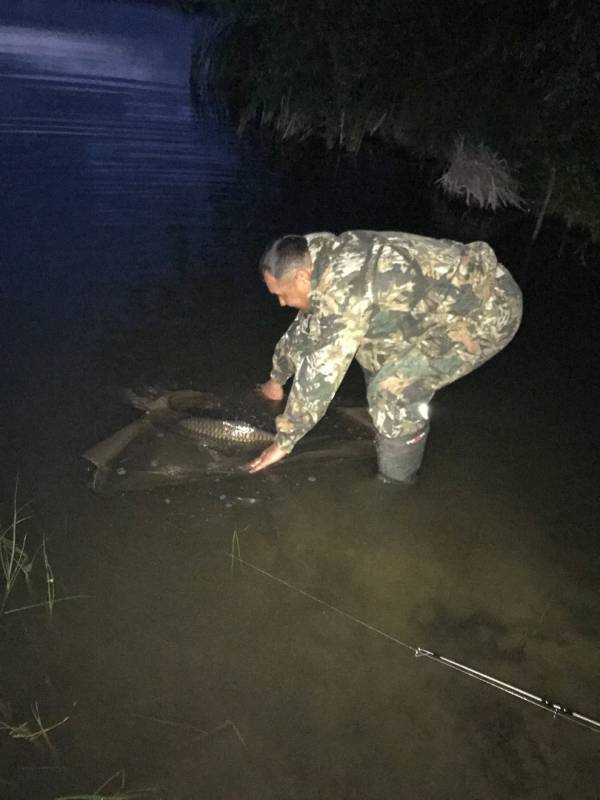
[[516, 86]]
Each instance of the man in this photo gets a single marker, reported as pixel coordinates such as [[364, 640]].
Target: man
[[417, 313]]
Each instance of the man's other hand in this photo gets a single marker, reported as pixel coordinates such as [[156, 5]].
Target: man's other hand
[[270, 456], [271, 390]]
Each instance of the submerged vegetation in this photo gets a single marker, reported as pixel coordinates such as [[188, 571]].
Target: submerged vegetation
[[115, 789], [39, 717], [17, 722], [14, 559], [16, 564], [28, 715], [520, 82]]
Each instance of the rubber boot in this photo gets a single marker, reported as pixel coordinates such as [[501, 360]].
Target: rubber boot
[[400, 457]]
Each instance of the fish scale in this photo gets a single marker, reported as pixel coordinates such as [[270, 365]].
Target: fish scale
[[223, 431]]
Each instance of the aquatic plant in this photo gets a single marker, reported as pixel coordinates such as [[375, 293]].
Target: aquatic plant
[[481, 177], [27, 730], [573, 189], [194, 729], [118, 792], [523, 80], [236, 553], [134, 795], [14, 560]]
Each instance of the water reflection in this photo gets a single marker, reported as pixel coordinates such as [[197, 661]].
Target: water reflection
[[42, 50], [104, 157], [113, 181]]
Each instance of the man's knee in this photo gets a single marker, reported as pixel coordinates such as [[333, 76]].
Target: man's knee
[[402, 413]]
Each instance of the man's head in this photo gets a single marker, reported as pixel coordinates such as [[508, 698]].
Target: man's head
[[286, 268]]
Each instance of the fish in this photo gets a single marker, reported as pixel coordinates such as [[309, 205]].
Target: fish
[[220, 433], [187, 436], [174, 411]]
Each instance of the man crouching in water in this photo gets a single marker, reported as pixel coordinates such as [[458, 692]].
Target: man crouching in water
[[417, 313]]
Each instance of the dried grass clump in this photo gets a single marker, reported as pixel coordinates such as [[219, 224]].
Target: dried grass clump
[[481, 177]]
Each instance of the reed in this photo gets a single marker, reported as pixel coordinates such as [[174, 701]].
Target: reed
[[235, 550], [27, 730], [44, 603], [143, 794], [50, 587], [14, 560], [413, 75], [117, 792], [480, 177], [185, 726]]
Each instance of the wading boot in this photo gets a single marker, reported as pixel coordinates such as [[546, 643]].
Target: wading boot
[[399, 458]]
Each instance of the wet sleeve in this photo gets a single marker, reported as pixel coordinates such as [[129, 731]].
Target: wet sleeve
[[286, 355], [319, 372]]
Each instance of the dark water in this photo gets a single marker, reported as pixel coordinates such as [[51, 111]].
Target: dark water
[[130, 228]]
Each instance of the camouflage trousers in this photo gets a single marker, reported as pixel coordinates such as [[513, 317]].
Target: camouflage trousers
[[399, 393]]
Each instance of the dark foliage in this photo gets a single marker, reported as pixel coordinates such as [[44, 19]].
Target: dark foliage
[[522, 78]]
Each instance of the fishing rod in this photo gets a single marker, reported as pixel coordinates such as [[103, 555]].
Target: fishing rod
[[556, 709]]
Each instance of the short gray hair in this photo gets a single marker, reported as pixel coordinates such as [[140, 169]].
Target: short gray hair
[[284, 255]]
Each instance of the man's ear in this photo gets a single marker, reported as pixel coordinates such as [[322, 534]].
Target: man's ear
[[304, 275]]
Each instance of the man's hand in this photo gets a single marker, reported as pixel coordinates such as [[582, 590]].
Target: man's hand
[[271, 455], [271, 390]]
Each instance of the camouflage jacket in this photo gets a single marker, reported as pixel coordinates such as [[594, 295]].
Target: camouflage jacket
[[376, 295]]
